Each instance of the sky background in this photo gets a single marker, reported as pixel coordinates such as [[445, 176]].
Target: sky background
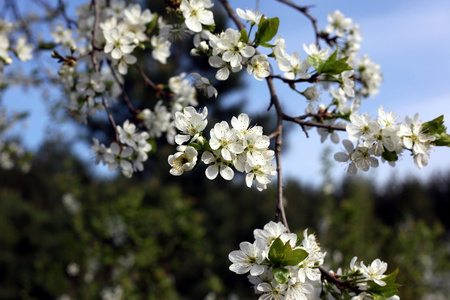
[[410, 40]]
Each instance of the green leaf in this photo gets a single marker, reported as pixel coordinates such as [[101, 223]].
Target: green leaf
[[196, 146], [267, 45], [442, 139], [280, 275], [46, 45], [316, 62], [151, 25], [276, 252], [335, 67], [389, 155], [389, 290], [378, 297], [244, 36], [436, 127], [267, 29], [294, 257]]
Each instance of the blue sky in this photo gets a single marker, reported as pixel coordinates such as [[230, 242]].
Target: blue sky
[[411, 41]]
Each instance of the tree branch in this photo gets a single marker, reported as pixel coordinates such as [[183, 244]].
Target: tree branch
[[341, 285], [126, 99], [299, 121], [232, 14], [304, 10], [149, 82], [280, 212]]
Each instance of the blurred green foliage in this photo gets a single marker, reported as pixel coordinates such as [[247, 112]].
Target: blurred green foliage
[[169, 238]]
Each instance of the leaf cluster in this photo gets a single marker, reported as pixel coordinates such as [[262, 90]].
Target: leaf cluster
[[436, 128], [282, 255], [331, 66]]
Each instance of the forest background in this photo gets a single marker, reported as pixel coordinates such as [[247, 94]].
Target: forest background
[[159, 237]]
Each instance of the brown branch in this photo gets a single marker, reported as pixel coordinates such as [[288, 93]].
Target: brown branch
[[158, 89], [312, 79], [304, 10], [280, 212], [111, 119], [59, 10], [341, 285], [299, 121], [278, 133], [126, 99], [94, 35], [232, 14]]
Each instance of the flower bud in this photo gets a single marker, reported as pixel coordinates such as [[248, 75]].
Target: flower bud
[[203, 47], [311, 93]]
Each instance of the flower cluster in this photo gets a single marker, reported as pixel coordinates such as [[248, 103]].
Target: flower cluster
[[129, 155], [22, 49], [384, 137], [12, 154], [241, 146], [280, 266]]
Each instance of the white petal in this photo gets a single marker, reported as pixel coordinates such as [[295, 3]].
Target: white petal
[[227, 173], [211, 172]]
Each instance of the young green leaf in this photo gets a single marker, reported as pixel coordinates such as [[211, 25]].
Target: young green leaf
[[316, 62], [389, 290], [280, 275], [276, 252], [244, 36], [389, 155], [334, 67], [294, 257], [436, 127], [267, 29]]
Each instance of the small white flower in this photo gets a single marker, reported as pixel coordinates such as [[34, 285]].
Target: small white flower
[[313, 50], [23, 49], [247, 259], [375, 271], [338, 23], [249, 15], [234, 51], [219, 165], [118, 41], [195, 13], [182, 161], [347, 157], [292, 66], [259, 67], [190, 123], [348, 83], [161, 49], [203, 84]]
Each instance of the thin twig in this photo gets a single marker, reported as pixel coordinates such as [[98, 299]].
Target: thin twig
[[232, 14], [280, 212], [311, 79], [300, 121], [94, 35], [126, 99], [304, 10], [342, 285], [59, 10], [149, 82], [94, 4], [111, 119]]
